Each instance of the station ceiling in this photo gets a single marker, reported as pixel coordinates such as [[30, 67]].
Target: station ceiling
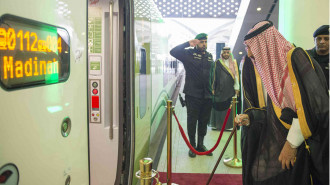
[[198, 8], [226, 21]]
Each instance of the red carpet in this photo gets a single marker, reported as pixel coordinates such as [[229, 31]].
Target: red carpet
[[202, 178]]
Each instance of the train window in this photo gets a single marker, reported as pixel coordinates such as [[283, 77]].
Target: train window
[[32, 53], [143, 83]]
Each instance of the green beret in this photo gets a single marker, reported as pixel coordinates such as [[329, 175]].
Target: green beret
[[322, 30], [201, 36]]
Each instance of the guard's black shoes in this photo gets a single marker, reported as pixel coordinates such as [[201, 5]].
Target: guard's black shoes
[[229, 129], [191, 154], [204, 149], [213, 128]]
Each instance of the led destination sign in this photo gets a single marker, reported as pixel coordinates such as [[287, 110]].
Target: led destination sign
[[32, 53]]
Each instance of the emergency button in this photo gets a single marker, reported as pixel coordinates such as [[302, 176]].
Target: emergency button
[[95, 91], [95, 102]]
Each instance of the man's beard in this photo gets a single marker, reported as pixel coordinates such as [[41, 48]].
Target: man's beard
[[201, 49], [322, 50]]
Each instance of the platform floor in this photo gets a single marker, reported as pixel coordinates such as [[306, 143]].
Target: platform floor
[[182, 163]]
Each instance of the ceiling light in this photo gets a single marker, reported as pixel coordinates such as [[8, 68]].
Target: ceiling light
[[240, 53], [258, 9]]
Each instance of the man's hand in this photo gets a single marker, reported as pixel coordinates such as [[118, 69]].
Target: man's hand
[[287, 156], [242, 119], [194, 42]]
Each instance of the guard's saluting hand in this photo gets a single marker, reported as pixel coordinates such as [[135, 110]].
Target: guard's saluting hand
[[194, 42]]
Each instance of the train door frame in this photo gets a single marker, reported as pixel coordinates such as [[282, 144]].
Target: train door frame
[[106, 153], [127, 81]]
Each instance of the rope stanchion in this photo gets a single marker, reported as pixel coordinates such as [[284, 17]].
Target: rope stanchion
[[217, 143], [223, 151], [234, 162], [169, 142], [146, 173]]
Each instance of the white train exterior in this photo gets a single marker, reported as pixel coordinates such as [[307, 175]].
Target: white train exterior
[[83, 89]]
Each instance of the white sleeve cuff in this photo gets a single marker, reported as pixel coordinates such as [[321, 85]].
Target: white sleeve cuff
[[236, 85], [295, 136]]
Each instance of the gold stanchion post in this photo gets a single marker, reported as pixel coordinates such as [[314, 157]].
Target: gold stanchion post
[[234, 161], [169, 142], [146, 173]]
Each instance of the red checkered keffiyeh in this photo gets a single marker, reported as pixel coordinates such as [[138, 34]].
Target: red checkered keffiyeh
[[269, 49]]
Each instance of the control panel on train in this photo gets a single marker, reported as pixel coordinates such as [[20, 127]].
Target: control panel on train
[[96, 65]]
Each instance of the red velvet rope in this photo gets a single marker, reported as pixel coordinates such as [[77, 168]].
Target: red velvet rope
[[218, 141]]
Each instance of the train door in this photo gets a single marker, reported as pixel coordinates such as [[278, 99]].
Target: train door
[[142, 80], [103, 85], [43, 117]]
